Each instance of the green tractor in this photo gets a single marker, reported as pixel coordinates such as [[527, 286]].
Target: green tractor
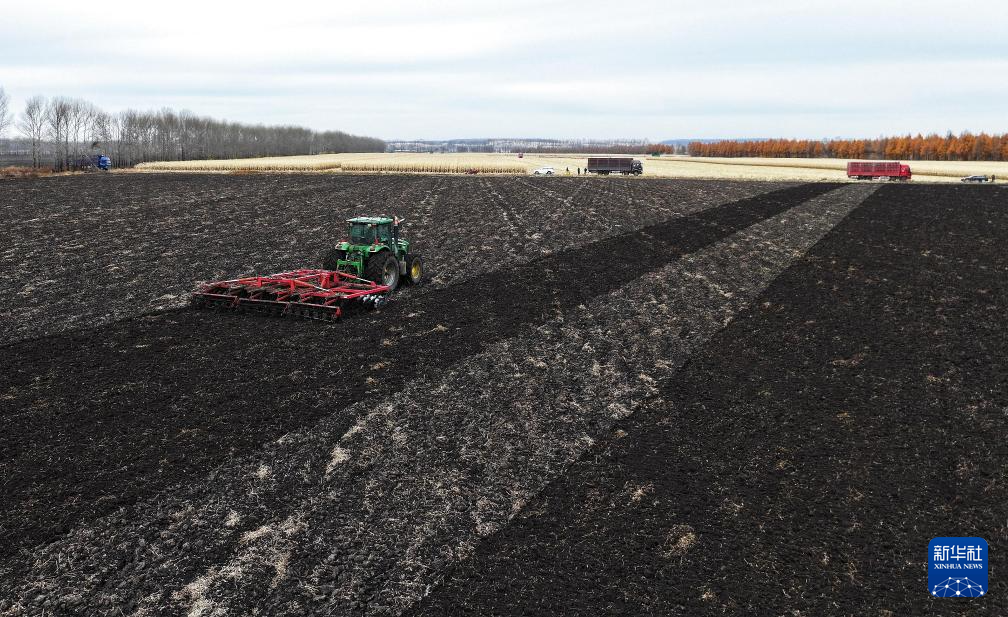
[[376, 251]]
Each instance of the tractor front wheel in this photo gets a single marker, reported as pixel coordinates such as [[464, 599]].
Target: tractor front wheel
[[330, 261], [414, 269], [383, 269]]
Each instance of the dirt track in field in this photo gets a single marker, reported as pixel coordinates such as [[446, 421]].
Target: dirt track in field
[[806, 455], [95, 249], [209, 463]]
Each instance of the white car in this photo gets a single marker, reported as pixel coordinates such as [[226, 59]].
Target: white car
[[543, 171]]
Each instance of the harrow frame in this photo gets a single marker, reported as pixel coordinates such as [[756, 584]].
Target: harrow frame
[[315, 294]]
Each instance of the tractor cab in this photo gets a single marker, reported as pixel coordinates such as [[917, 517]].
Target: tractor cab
[[374, 250], [368, 231], [362, 233]]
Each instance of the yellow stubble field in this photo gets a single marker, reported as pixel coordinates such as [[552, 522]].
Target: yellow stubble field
[[665, 166]]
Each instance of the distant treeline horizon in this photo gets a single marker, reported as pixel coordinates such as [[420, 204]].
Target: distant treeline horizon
[[59, 132], [963, 147], [950, 147]]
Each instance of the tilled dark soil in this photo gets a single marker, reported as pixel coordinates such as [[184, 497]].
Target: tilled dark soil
[[802, 460], [102, 417], [93, 249], [707, 444]]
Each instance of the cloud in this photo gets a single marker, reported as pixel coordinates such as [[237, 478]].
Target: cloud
[[449, 69]]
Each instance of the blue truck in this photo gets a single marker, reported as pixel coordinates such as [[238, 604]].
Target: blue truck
[[95, 161]]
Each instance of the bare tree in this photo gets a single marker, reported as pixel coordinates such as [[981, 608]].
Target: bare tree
[[76, 119], [57, 118], [33, 123], [100, 129], [62, 128], [5, 114], [81, 115]]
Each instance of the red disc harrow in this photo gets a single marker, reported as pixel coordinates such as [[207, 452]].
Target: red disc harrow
[[315, 294]]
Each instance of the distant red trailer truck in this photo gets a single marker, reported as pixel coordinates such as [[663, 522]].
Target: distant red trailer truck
[[869, 170]]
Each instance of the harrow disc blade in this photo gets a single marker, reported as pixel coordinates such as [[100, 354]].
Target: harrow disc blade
[[323, 295]]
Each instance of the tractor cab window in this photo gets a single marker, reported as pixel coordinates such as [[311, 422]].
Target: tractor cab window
[[385, 234], [361, 233]]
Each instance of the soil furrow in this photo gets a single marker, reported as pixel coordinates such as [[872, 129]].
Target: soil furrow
[[805, 456], [171, 396], [87, 256], [411, 486], [95, 249]]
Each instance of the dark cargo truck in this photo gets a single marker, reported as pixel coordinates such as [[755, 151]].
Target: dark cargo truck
[[614, 165]]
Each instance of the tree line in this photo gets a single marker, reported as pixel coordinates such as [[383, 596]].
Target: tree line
[[536, 145], [61, 132], [962, 147], [642, 149]]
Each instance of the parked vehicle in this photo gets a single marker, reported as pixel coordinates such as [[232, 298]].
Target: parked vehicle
[[604, 166], [543, 171], [977, 179], [95, 161], [870, 170]]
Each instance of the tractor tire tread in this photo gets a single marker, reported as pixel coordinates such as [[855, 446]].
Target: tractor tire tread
[[330, 261], [409, 259], [374, 268]]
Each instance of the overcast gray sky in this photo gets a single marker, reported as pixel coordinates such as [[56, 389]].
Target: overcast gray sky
[[623, 68]]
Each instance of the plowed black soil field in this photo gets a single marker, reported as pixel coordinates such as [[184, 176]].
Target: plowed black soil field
[[612, 396]]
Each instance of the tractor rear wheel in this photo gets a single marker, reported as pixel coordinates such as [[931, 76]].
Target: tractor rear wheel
[[330, 261], [382, 268], [414, 269]]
